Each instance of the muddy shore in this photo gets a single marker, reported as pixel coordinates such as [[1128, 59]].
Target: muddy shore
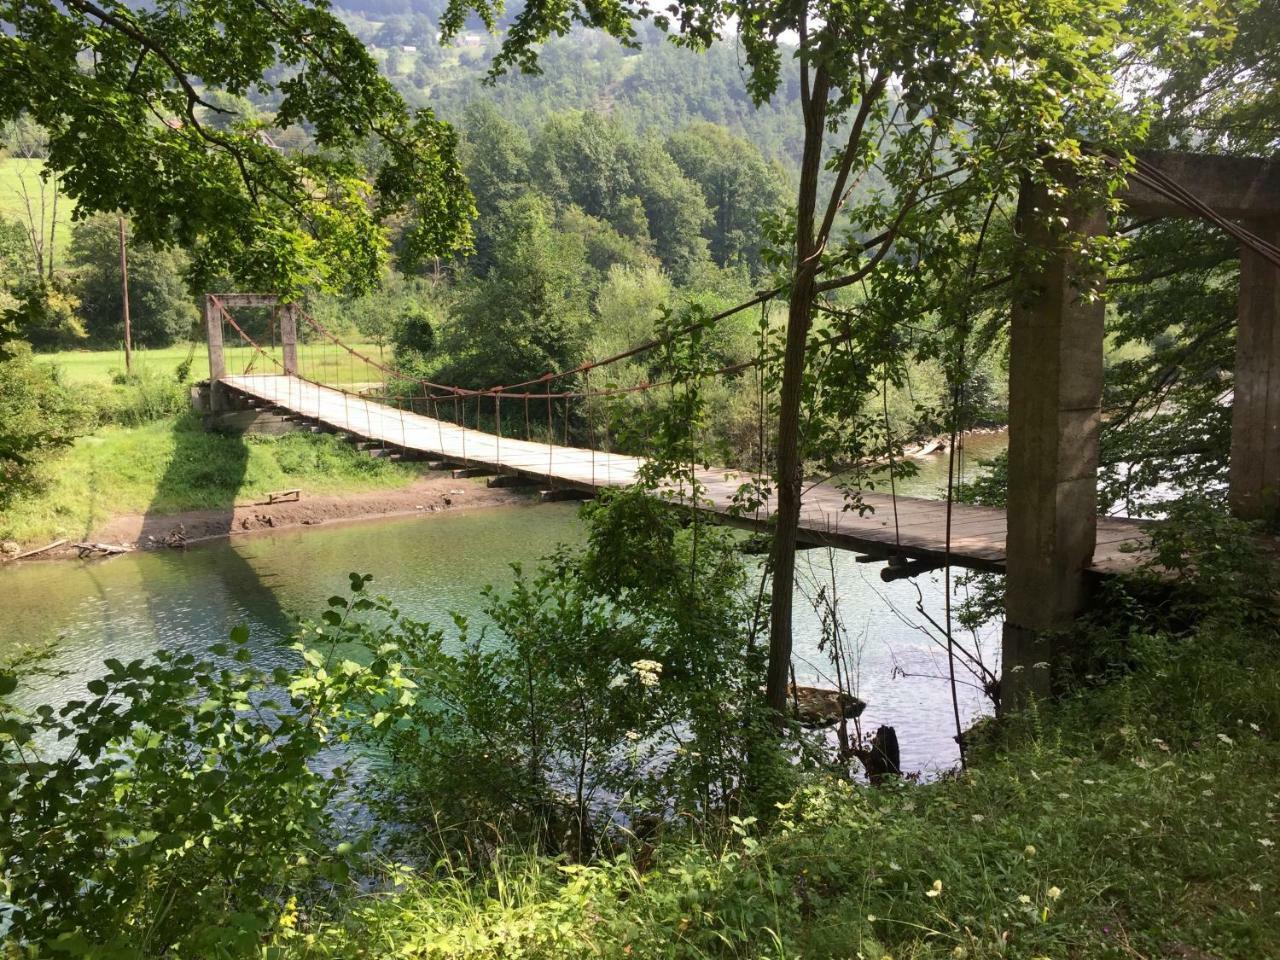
[[427, 495]]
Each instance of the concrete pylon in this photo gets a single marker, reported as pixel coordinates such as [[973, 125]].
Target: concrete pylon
[[1055, 412], [1254, 477]]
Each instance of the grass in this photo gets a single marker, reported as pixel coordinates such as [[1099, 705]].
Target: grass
[[13, 170], [173, 465], [1101, 831], [1136, 819], [321, 362]]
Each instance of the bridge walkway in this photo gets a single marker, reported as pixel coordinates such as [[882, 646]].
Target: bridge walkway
[[915, 530]]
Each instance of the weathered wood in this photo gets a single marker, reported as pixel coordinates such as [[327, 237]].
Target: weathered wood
[[289, 338], [45, 549], [247, 299], [217, 361], [108, 549], [978, 533]]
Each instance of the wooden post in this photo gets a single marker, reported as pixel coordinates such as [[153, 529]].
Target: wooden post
[[1254, 477], [217, 363], [1055, 401], [124, 289], [289, 338]]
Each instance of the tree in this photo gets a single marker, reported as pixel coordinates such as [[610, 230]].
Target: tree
[[985, 95], [495, 154], [124, 92], [739, 186], [39, 191], [581, 157], [528, 314], [161, 308], [674, 206]]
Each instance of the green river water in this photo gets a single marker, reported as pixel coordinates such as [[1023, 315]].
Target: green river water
[[128, 606]]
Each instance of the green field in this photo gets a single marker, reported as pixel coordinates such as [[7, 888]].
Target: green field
[[13, 172], [320, 362], [173, 465]]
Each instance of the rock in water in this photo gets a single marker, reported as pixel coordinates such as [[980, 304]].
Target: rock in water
[[818, 708]]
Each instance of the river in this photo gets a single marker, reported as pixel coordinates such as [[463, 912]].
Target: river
[[128, 606]]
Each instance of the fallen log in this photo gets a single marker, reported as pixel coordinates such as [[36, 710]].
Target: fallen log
[[47, 547], [107, 549]]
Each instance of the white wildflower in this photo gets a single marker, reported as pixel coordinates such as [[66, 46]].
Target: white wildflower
[[1225, 739], [1053, 893], [648, 672], [936, 889]]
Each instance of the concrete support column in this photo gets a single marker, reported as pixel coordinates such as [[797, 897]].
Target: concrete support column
[[1255, 413], [217, 362], [1055, 411], [289, 338]]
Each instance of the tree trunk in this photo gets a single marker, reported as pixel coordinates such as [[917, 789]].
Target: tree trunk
[[790, 460], [124, 293]]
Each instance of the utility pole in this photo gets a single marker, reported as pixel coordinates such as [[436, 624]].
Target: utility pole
[[124, 289]]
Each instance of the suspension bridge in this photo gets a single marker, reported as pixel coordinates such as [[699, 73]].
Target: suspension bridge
[[911, 532], [1051, 541]]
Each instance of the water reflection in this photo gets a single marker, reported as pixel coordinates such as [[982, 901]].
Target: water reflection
[[128, 606]]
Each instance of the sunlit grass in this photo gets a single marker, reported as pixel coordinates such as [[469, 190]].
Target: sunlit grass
[[173, 465], [322, 362], [13, 171]]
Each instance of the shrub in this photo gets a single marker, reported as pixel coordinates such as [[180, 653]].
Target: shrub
[[178, 808], [622, 684], [37, 416]]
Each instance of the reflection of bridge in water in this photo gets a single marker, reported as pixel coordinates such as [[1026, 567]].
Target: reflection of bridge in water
[[908, 528], [1050, 542]]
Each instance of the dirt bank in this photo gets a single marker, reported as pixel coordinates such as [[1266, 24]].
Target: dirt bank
[[434, 494]]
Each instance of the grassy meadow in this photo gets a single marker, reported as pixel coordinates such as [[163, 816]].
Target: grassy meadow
[[143, 451], [322, 362], [13, 172]]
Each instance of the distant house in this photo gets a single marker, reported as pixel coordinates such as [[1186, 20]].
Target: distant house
[[408, 48]]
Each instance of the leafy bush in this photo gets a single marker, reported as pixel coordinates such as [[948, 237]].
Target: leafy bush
[[623, 684], [37, 416], [179, 808], [134, 399]]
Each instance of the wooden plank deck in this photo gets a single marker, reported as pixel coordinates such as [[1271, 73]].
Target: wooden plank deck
[[909, 527]]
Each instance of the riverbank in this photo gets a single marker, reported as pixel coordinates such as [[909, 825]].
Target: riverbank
[[170, 482], [425, 496]]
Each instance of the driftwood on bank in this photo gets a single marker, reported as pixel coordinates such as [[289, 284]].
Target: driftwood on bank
[[39, 550], [881, 758], [87, 549]]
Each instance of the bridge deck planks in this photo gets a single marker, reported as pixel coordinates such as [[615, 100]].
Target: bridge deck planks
[[908, 526]]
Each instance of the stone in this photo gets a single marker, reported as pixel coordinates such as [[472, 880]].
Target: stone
[[9, 548], [819, 708]]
